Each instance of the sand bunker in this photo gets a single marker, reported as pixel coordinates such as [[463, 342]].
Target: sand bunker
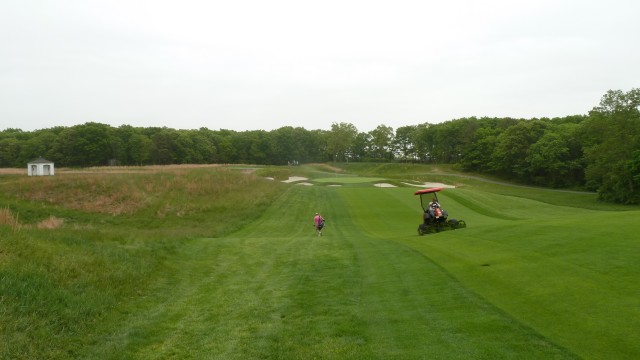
[[304, 183], [431, 184], [384, 185], [295, 179]]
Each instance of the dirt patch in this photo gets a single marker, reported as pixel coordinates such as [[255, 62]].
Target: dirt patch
[[51, 222]]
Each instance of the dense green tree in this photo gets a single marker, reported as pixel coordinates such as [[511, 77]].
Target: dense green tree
[[424, 142], [556, 159], [309, 145], [479, 152], [193, 147], [164, 146], [611, 139], [139, 149], [185, 152], [404, 143], [381, 141], [288, 145], [340, 140], [226, 151], [360, 149], [9, 151], [203, 143], [510, 155], [37, 145], [83, 145], [241, 143], [261, 151], [120, 138], [617, 102], [317, 143]]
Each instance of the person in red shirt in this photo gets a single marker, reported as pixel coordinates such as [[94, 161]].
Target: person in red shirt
[[318, 223]]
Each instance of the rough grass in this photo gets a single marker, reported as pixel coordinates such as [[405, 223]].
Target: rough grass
[[180, 191], [70, 266]]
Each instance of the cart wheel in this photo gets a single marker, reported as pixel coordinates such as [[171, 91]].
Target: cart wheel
[[420, 232]]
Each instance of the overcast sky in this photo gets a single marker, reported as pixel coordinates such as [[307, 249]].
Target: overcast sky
[[265, 64]]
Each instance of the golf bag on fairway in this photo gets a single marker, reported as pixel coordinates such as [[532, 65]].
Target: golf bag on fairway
[[319, 227]]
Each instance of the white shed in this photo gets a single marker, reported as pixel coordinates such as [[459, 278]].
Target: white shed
[[40, 167]]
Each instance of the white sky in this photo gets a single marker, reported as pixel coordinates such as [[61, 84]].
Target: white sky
[[249, 64]]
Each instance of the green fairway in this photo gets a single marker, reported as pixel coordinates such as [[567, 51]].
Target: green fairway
[[275, 290], [568, 273], [369, 288], [525, 280]]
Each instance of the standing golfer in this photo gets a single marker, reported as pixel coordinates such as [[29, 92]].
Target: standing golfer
[[318, 222]]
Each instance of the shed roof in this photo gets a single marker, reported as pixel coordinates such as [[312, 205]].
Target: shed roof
[[40, 160]]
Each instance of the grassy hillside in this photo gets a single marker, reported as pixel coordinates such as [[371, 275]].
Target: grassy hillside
[[220, 263], [112, 243]]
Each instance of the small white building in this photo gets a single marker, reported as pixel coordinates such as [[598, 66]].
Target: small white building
[[40, 167]]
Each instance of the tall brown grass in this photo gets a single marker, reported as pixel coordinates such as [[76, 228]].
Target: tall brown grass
[[177, 190], [99, 193], [7, 218]]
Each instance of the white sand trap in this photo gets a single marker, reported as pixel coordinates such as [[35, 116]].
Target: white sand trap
[[304, 183], [334, 185], [431, 184], [384, 185], [295, 179], [269, 178]]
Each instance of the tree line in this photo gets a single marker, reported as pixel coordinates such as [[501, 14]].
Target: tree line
[[599, 151]]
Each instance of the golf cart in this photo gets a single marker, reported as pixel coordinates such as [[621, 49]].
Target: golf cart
[[434, 218]]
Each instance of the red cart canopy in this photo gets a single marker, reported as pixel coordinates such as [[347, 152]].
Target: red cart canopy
[[427, 191]]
